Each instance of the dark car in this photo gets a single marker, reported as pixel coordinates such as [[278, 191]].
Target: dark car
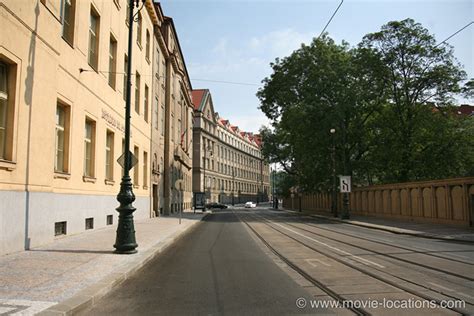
[[215, 205]]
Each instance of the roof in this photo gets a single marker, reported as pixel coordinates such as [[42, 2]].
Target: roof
[[198, 96], [466, 109], [199, 99]]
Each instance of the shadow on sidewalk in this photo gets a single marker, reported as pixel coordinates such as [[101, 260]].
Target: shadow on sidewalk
[[73, 251]]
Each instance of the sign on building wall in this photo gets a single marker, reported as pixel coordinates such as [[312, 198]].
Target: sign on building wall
[[345, 184]]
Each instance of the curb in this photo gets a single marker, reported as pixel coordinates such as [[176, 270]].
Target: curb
[[398, 231], [93, 293]]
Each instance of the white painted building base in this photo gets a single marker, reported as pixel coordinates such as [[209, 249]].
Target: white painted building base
[[27, 219]]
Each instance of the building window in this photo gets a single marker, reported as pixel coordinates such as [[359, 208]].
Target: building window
[[127, 13], [60, 228], [145, 104], [67, 18], [61, 161], [94, 24], [136, 152], [172, 127], [155, 113], [6, 112], [89, 148], [145, 169], [89, 223], [137, 93], [139, 29], [125, 77], [157, 58], [163, 73], [162, 125], [162, 168], [109, 156], [112, 61], [147, 46], [179, 135], [173, 85], [110, 220]]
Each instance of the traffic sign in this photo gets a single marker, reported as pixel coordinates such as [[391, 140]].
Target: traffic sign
[[132, 158], [345, 184]]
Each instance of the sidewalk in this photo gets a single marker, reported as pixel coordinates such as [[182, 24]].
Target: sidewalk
[[72, 272], [426, 230]]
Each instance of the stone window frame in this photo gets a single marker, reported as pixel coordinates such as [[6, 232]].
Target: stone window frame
[[11, 63]]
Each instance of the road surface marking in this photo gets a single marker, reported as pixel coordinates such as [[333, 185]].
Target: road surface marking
[[310, 261], [361, 260], [23, 307], [441, 287]]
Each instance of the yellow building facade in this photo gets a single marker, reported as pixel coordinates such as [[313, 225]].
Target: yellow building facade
[[172, 127], [62, 100]]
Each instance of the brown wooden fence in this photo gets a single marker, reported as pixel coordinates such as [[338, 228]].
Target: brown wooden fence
[[449, 201]]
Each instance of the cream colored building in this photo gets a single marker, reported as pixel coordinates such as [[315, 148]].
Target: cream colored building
[[172, 127], [62, 65], [230, 168]]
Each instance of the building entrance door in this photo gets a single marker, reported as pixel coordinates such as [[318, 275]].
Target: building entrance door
[[155, 200]]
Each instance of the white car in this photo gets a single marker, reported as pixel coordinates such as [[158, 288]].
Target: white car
[[250, 205]]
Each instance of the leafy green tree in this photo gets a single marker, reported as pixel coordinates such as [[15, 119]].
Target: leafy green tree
[[320, 87], [422, 77], [468, 89], [389, 100]]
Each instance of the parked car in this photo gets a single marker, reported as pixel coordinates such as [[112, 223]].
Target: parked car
[[215, 205], [250, 205]]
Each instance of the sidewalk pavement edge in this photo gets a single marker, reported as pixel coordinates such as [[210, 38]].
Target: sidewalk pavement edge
[[90, 295], [395, 230]]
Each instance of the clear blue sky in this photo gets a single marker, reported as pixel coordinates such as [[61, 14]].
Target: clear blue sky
[[235, 41]]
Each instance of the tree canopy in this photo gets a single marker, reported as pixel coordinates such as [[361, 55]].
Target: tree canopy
[[389, 100]]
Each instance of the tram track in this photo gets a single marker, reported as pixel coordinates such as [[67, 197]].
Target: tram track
[[384, 254], [304, 274], [386, 243], [378, 277]]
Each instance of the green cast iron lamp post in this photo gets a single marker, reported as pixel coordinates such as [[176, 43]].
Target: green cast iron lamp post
[[125, 242]]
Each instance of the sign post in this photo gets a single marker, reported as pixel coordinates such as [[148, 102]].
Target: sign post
[[345, 185]]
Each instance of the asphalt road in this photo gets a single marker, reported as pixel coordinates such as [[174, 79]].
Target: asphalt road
[[221, 268], [217, 269]]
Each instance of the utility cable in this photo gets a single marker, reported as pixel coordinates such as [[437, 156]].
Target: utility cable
[[324, 29]]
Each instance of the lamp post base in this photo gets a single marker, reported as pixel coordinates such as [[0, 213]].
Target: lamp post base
[[125, 242], [126, 252]]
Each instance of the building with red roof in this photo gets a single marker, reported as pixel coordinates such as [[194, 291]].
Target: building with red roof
[[231, 168]]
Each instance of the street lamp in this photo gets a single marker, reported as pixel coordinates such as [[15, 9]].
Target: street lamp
[[345, 196], [233, 184], [206, 149], [272, 185], [334, 185], [125, 242], [274, 190], [258, 190], [258, 178]]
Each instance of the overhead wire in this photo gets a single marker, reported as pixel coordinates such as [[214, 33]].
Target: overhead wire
[[455, 33], [330, 19]]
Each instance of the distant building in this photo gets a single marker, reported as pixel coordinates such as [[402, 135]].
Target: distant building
[[230, 167], [466, 110]]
